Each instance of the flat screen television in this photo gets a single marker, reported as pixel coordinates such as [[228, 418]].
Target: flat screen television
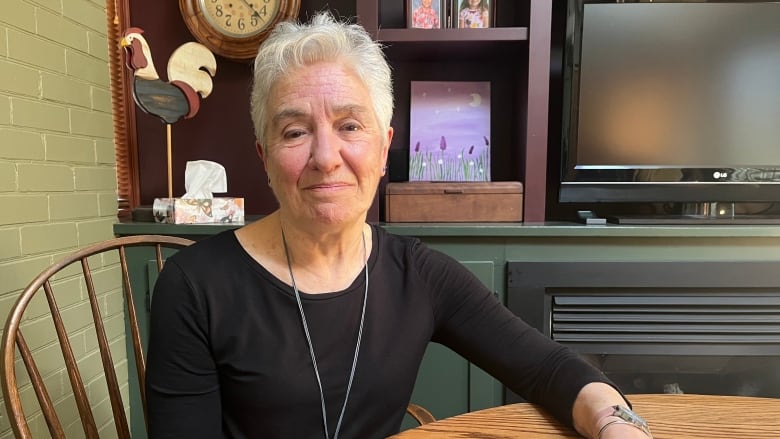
[[672, 102]]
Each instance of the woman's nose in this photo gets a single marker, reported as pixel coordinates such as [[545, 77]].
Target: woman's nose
[[325, 152]]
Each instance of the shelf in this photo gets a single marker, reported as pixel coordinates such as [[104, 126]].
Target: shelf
[[453, 35], [445, 45], [480, 231], [456, 52]]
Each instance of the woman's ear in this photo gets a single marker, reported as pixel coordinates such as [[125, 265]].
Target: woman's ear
[[386, 150], [261, 154], [259, 149]]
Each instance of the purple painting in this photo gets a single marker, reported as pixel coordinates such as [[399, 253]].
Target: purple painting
[[449, 131]]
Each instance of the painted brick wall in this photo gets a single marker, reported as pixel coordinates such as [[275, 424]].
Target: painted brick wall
[[57, 176]]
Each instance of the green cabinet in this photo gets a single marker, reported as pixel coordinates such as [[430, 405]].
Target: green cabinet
[[143, 274], [447, 384]]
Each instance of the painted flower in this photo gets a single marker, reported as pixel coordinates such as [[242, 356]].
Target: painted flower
[[443, 143], [471, 150], [487, 142], [417, 147]]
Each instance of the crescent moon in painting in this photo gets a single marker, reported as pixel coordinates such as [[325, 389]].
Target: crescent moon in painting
[[476, 100]]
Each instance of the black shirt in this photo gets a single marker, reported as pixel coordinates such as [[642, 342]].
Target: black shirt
[[228, 356]]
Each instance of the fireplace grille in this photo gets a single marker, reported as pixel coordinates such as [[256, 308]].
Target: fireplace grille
[[710, 327], [667, 321]]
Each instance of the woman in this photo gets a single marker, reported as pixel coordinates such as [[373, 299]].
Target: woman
[[310, 323]]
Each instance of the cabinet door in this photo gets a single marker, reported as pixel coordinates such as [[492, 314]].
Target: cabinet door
[[143, 276], [484, 390], [447, 384]]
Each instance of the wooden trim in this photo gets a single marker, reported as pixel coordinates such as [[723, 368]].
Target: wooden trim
[[123, 109], [539, 38]]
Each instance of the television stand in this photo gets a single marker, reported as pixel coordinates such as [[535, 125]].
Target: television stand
[[694, 220]]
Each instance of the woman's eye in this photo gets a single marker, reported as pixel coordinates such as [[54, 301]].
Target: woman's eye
[[350, 127], [293, 134]]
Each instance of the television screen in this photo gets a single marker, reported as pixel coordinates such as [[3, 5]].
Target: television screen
[[672, 102]]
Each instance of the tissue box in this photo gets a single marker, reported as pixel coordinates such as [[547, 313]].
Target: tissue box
[[199, 210], [420, 201]]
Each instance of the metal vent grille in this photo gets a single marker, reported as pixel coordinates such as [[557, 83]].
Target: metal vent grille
[[664, 321]]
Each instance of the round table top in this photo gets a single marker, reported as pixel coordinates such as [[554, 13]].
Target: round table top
[[670, 416]]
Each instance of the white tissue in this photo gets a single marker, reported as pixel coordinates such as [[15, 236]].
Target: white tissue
[[202, 178]]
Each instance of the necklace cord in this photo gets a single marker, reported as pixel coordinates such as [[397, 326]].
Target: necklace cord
[[311, 345]]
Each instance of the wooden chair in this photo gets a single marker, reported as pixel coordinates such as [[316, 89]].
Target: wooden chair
[[49, 280], [419, 413], [52, 278]]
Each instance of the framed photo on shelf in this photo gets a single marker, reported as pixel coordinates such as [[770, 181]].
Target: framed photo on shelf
[[472, 14], [449, 131], [426, 14]]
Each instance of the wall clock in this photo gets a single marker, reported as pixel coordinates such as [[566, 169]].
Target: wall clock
[[235, 28]]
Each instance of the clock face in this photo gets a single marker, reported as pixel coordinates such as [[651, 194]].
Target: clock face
[[240, 18], [235, 28]]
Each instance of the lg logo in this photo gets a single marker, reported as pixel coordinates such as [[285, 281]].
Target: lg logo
[[718, 175]]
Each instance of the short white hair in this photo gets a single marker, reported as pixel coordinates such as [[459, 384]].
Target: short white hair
[[292, 45]]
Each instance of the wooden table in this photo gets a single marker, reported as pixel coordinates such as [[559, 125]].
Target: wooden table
[[670, 417]]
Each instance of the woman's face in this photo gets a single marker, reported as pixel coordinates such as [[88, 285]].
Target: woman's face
[[325, 153], [427, 3]]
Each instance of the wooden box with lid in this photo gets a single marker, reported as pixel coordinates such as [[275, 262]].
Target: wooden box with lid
[[499, 201]]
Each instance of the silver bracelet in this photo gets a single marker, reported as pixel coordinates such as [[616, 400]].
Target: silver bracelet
[[618, 421]]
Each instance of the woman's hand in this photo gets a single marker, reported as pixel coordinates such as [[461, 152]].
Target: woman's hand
[[596, 416]]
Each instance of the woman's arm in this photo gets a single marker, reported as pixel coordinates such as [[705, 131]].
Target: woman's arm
[[182, 388], [473, 322]]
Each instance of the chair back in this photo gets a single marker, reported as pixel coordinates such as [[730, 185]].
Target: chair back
[[62, 276], [59, 277], [420, 414]]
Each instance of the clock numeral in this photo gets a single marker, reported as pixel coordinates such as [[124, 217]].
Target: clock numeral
[[241, 25], [218, 11], [254, 20], [228, 23]]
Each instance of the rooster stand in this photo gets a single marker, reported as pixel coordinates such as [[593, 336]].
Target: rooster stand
[[190, 69]]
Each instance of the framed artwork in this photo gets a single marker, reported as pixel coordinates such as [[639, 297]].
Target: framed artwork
[[449, 131], [472, 14], [425, 14]]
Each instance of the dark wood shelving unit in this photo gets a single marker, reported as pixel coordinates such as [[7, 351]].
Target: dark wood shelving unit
[[514, 56]]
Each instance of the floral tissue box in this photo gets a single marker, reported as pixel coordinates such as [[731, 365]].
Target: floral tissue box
[[199, 210]]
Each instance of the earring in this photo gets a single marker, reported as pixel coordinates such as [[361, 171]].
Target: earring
[[384, 170]]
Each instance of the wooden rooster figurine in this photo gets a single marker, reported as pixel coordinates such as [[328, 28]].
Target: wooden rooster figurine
[[190, 69], [178, 98]]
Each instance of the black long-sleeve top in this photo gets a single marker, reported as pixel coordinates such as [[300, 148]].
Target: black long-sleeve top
[[228, 356]]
